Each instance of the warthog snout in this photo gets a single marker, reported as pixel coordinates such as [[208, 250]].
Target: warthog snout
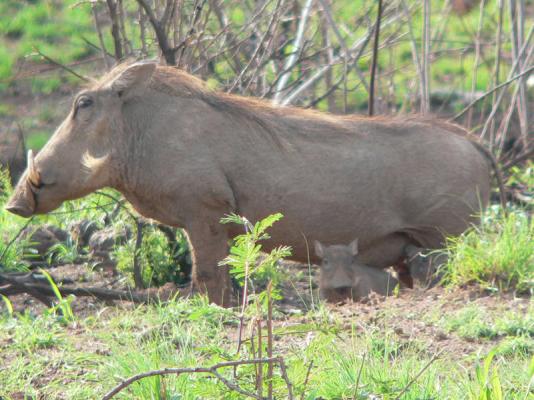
[[340, 278], [23, 202]]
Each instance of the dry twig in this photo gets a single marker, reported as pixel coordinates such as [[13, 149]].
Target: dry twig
[[209, 370], [374, 61]]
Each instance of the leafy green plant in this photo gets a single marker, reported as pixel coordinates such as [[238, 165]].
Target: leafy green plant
[[497, 255], [487, 383], [164, 257], [11, 245], [63, 252], [246, 260], [522, 176]]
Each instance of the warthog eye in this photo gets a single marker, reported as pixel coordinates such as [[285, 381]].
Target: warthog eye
[[84, 102]]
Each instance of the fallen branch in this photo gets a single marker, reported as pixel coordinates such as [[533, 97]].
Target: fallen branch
[[14, 281], [208, 370], [31, 285]]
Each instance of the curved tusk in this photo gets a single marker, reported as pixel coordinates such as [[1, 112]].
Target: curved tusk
[[33, 174], [31, 160]]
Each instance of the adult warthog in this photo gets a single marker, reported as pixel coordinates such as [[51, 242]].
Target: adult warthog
[[185, 155]]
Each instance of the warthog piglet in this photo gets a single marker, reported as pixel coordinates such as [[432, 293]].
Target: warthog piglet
[[344, 276]]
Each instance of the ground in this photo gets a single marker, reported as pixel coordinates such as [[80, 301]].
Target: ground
[[398, 336]]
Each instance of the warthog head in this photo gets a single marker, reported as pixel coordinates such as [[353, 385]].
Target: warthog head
[[425, 266], [337, 269], [81, 155]]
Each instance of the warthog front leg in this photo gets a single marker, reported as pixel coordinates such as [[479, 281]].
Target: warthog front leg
[[208, 242]]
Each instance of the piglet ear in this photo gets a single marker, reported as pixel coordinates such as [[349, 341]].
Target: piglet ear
[[132, 79], [319, 250], [354, 247]]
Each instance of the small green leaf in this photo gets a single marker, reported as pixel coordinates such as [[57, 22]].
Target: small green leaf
[[8, 304]]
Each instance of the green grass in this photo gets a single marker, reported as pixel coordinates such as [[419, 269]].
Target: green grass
[[45, 357], [497, 255], [37, 140], [53, 27], [475, 323]]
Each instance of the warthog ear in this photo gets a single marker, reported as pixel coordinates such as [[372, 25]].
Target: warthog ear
[[133, 78], [354, 247], [319, 251]]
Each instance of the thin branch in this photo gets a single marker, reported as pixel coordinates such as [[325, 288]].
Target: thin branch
[[25, 288], [122, 29], [14, 238], [259, 374], [285, 377], [209, 370], [525, 156], [498, 45], [115, 30], [191, 31], [341, 40], [260, 45], [374, 61], [436, 356], [306, 379], [425, 67], [159, 26], [142, 30], [57, 63], [496, 88], [270, 339], [297, 46], [415, 54], [99, 34], [476, 61], [512, 71], [359, 47], [519, 32], [137, 272]]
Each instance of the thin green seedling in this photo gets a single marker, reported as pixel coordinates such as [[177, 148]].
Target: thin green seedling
[[63, 303], [9, 305]]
